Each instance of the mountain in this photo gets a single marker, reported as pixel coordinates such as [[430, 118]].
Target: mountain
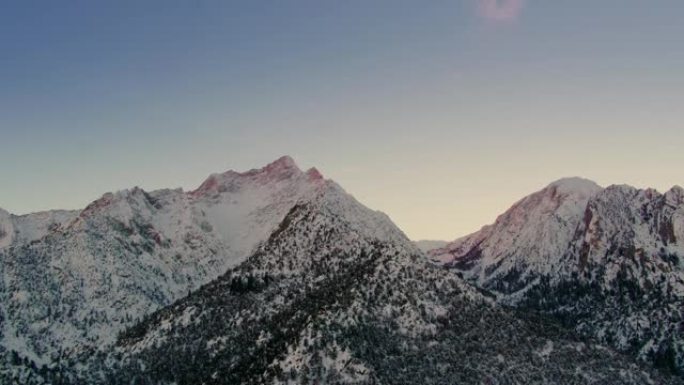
[[605, 261], [339, 295], [70, 281], [274, 275], [427, 245]]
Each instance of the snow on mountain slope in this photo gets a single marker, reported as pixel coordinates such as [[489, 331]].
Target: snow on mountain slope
[[30, 227], [70, 281], [529, 239], [339, 295], [292, 280], [606, 261]]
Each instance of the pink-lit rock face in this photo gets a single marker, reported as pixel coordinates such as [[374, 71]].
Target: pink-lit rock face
[[283, 164], [97, 205], [282, 169], [210, 184], [314, 174]]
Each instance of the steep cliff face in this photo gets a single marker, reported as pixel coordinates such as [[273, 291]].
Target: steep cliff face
[[606, 261]]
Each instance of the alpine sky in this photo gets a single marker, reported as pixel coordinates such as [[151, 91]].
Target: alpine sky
[[438, 113]]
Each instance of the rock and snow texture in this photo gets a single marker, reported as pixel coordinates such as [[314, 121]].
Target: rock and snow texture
[[273, 275], [530, 238], [72, 280], [15, 229], [338, 295], [606, 260]]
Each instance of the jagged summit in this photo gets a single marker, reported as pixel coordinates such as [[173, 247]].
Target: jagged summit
[[131, 251], [284, 165], [284, 162], [274, 186], [283, 168], [314, 174]]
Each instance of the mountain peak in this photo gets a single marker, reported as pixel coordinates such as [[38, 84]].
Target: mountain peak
[[314, 174], [284, 166], [577, 185], [281, 168], [284, 161]]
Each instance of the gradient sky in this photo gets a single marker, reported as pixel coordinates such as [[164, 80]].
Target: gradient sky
[[440, 113]]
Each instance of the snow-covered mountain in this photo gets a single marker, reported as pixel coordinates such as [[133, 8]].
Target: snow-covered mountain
[[607, 261], [72, 280], [338, 295], [528, 239], [273, 275]]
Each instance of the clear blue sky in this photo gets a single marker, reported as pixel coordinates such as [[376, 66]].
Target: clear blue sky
[[440, 113]]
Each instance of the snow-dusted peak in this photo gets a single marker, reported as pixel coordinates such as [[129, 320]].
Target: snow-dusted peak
[[237, 209], [529, 237], [283, 163], [283, 166], [313, 174], [626, 195], [576, 185], [282, 169], [570, 220], [606, 261], [120, 204], [131, 251], [561, 199]]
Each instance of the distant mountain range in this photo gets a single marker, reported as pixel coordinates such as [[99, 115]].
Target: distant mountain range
[[427, 245], [277, 275]]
